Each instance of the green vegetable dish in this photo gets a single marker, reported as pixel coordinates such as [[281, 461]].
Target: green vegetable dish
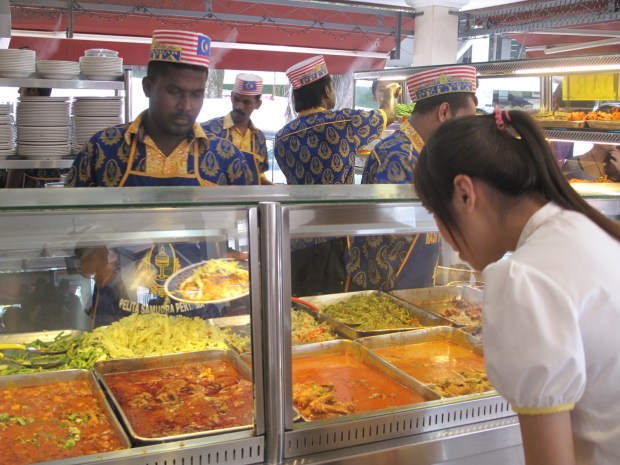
[[371, 312]]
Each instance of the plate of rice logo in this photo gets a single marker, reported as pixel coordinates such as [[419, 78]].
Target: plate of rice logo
[[210, 282]]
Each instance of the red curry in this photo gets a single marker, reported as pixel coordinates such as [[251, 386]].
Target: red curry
[[53, 421], [332, 385], [184, 399]]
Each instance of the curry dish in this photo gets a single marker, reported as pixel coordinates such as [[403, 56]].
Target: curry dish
[[189, 398], [215, 280], [51, 422], [332, 385], [445, 367]]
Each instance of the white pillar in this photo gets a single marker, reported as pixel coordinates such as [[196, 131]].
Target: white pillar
[[5, 23], [436, 31]]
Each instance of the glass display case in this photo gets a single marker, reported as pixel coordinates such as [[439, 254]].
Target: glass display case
[[261, 228]]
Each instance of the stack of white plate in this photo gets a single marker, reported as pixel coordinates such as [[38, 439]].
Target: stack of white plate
[[17, 62], [101, 68], [57, 69], [93, 114], [7, 131], [43, 127]]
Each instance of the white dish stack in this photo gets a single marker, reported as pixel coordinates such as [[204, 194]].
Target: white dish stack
[[15, 62], [101, 65], [57, 69], [44, 127], [7, 131], [93, 114]]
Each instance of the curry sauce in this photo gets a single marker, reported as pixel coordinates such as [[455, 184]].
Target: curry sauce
[[332, 385], [446, 367]]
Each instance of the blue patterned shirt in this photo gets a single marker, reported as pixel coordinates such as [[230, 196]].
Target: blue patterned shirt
[[319, 147]]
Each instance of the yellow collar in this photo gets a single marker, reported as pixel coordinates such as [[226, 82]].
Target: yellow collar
[[412, 135], [229, 123], [311, 111], [136, 129]]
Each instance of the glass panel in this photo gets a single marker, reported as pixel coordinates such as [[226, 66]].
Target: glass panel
[[350, 264], [132, 283]]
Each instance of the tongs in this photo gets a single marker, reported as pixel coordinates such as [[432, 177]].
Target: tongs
[[31, 349], [42, 362]]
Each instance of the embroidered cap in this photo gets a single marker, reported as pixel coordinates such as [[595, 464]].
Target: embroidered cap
[[191, 48], [248, 84], [441, 81], [307, 71]]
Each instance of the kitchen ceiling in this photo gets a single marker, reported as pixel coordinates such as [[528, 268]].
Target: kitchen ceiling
[[270, 35]]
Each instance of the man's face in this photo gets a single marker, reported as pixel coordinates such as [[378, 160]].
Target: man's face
[[379, 91], [243, 106], [175, 100]]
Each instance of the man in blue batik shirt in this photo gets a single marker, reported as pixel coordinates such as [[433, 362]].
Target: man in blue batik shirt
[[396, 262]]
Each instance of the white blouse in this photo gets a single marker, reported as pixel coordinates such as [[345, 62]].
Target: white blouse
[[551, 326]]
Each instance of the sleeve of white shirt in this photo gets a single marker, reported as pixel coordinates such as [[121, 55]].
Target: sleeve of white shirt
[[532, 344]]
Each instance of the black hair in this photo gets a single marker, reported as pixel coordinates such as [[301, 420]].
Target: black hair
[[456, 100], [513, 166], [162, 68], [311, 95]]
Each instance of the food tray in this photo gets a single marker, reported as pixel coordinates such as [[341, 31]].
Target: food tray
[[365, 356], [104, 368], [335, 329], [603, 124], [45, 336], [434, 300], [440, 333], [239, 325], [560, 123], [350, 332], [49, 377]]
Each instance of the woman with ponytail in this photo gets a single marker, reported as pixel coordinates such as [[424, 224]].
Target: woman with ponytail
[[551, 310]]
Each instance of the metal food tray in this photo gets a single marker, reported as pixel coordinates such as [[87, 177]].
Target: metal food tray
[[238, 324], [49, 377], [128, 365], [439, 333], [430, 298], [350, 332], [336, 326], [604, 124], [45, 336], [560, 123], [367, 357]]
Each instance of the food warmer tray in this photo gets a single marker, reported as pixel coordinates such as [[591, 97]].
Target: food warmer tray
[[239, 325], [425, 318], [439, 333], [128, 365], [432, 299], [364, 355], [44, 336], [49, 377]]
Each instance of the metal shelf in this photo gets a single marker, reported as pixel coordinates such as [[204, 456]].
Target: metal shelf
[[35, 164], [79, 83]]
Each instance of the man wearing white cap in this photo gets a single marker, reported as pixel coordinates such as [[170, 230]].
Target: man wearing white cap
[[319, 147], [164, 146], [237, 127], [392, 262]]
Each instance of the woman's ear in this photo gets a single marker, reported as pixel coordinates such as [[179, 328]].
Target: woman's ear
[[464, 191]]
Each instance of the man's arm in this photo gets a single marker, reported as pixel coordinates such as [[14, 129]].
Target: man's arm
[[388, 103]]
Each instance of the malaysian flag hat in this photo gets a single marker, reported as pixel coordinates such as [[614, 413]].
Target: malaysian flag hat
[[191, 48], [440, 81], [248, 84], [307, 71]]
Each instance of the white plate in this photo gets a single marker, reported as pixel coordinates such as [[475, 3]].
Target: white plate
[[173, 283]]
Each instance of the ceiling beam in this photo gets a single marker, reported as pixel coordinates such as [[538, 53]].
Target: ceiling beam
[[125, 9]]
